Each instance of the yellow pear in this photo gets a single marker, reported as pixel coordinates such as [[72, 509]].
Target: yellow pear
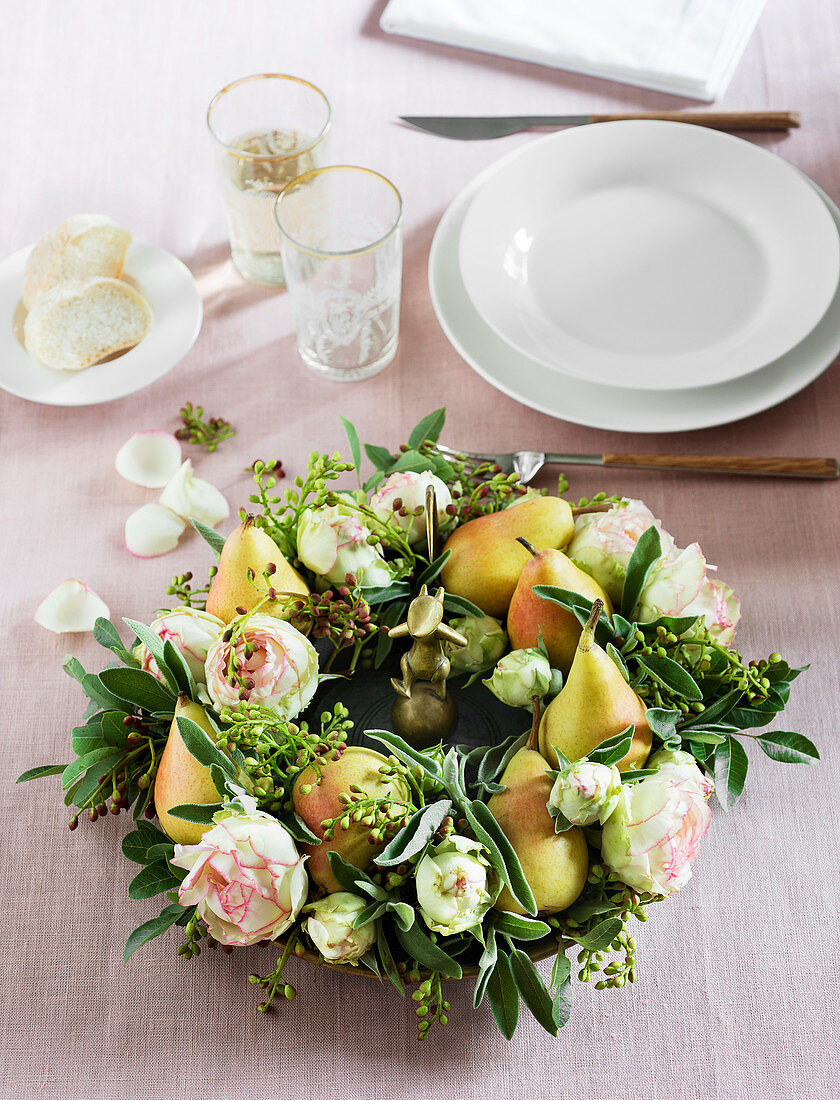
[[240, 582], [317, 798], [554, 864], [181, 779], [486, 560], [529, 614], [595, 703]]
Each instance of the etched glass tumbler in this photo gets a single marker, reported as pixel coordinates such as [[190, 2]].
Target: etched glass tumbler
[[269, 129], [341, 242]]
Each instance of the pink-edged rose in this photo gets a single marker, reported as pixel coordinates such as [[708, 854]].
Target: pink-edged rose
[[190, 630], [333, 541], [246, 877], [720, 608], [265, 661], [401, 494], [604, 542], [653, 834]]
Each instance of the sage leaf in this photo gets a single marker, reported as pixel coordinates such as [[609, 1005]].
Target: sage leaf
[[533, 992], [200, 813], [107, 755], [418, 945], [406, 753], [503, 994], [386, 957], [411, 840], [561, 970], [500, 853], [213, 539], [519, 927], [106, 634], [612, 750], [561, 1008], [201, 747], [433, 569], [461, 605], [485, 966]]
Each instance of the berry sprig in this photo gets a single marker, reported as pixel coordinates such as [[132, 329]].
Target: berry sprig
[[204, 433]]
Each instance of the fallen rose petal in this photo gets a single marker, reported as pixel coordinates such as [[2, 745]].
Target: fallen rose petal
[[71, 608], [152, 530], [149, 458], [190, 497]]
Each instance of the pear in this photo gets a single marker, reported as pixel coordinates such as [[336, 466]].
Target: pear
[[529, 615], [555, 864], [486, 561], [595, 703], [317, 798], [181, 779], [240, 582]]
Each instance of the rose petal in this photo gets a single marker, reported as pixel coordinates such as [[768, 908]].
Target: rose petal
[[152, 530], [149, 458], [192, 498], [71, 608]]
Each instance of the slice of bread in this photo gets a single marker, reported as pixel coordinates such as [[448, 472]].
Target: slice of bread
[[76, 324], [83, 246]]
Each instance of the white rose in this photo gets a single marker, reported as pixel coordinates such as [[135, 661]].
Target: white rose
[[270, 662], [519, 676], [190, 630], [455, 886], [330, 927], [652, 836], [332, 542], [401, 494], [586, 792], [486, 642], [246, 877]]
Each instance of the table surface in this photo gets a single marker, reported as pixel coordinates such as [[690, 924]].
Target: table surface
[[738, 980]]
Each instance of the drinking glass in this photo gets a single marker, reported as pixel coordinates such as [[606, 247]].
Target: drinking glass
[[268, 129], [341, 240]]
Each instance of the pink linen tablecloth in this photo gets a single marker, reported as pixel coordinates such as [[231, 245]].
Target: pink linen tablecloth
[[103, 110]]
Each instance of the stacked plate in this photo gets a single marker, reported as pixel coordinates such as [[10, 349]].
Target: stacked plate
[[641, 276]]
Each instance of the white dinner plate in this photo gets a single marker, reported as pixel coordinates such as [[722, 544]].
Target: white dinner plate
[[652, 255], [612, 407], [178, 312]]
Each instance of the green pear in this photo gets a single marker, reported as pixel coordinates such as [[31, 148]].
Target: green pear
[[317, 798], [239, 582], [486, 560], [181, 779], [529, 614], [596, 702], [554, 864]]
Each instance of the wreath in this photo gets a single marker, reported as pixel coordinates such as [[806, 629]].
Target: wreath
[[262, 812]]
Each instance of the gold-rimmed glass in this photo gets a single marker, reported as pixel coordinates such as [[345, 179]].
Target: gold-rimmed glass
[[341, 240], [268, 129]]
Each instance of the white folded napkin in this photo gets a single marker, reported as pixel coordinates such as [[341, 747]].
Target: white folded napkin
[[687, 47]]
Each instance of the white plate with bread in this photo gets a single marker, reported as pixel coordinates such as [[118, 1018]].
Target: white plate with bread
[[90, 315]]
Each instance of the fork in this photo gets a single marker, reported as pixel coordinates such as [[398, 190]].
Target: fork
[[527, 464]]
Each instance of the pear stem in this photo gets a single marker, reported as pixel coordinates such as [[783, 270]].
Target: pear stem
[[590, 508], [534, 739], [532, 550], [588, 633]]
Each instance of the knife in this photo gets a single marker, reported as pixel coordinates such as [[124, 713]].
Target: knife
[[472, 129]]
